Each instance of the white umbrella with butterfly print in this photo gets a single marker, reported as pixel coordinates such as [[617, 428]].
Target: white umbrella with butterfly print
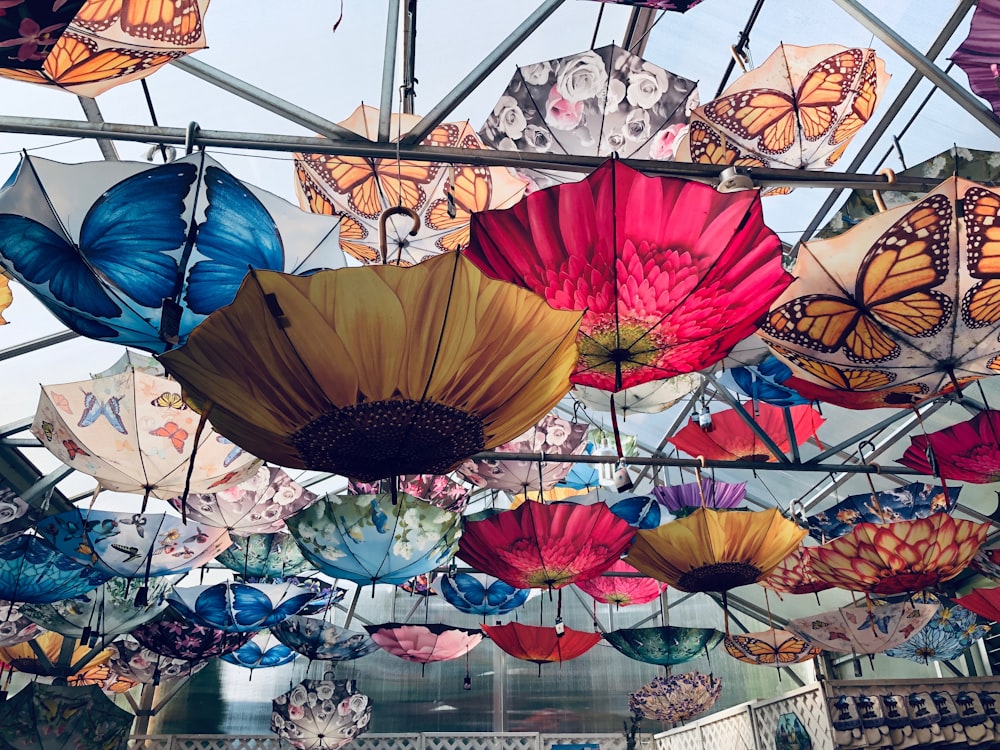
[[132, 431], [900, 308]]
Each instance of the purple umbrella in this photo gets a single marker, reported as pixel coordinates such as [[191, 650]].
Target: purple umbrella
[[682, 499], [681, 6], [979, 54], [172, 635]]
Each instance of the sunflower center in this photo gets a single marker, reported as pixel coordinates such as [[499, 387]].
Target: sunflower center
[[630, 345], [720, 576]]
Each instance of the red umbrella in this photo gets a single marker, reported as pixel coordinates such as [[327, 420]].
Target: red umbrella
[[539, 545], [671, 273], [731, 439], [968, 451], [622, 590], [541, 645], [794, 575], [984, 602]]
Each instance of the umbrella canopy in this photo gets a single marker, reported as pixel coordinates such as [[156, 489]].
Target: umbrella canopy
[[442, 196], [31, 31], [770, 648], [174, 634], [104, 44], [31, 571], [916, 500], [844, 330], [662, 296], [553, 435], [53, 717], [260, 652], [454, 363], [594, 103], [984, 602], [949, 633], [321, 714], [14, 626], [239, 607], [715, 550], [131, 430], [368, 539], [665, 645], [764, 382], [104, 677], [132, 660], [794, 574], [865, 628], [257, 505], [264, 556], [139, 254], [899, 557], [44, 656], [675, 698], [424, 643], [680, 6], [798, 109], [16, 515], [986, 563], [682, 499], [648, 398], [318, 639], [730, 438], [541, 645], [437, 489], [540, 545], [478, 595], [622, 590], [968, 451], [979, 54]]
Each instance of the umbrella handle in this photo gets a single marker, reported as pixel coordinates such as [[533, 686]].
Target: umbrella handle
[[890, 178], [383, 242]]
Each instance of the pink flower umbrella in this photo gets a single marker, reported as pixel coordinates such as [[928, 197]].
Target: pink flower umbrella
[[424, 643], [968, 451], [623, 590]]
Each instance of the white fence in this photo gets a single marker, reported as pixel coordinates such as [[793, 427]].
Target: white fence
[[415, 741]]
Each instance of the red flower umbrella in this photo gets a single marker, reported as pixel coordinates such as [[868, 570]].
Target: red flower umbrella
[[424, 643], [984, 602], [794, 575], [671, 273], [541, 645], [731, 439], [622, 590], [968, 451], [437, 489], [545, 546]]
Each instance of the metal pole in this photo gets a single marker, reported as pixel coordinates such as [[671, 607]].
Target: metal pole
[[388, 71], [877, 427], [37, 344], [409, 56], [93, 114], [46, 483]]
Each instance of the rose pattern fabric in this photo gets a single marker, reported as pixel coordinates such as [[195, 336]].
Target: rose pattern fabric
[[15, 515], [675, 698], [132, 660], [15, 627], [318, 639], [321, 714]]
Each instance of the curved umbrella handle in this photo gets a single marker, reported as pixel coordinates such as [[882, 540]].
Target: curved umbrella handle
[[395, 211]]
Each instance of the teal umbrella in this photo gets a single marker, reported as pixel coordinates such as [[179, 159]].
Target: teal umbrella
[[666, 645]]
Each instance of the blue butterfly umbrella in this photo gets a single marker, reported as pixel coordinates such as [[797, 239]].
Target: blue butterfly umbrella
[[158, 247], [31, 571], [259, 653], [470, 594], [764, 382], [239, 607]]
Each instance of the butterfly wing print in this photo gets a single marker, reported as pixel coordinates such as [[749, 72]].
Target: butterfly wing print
[[94, 408], [177, 22], [981, 304], [894, 293], [353, 233], [253, 608]]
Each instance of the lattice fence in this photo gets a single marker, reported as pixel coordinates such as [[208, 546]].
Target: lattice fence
[[428, 741]]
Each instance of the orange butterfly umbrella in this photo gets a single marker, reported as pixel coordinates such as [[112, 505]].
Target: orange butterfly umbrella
[[901, 308], [442, 196], [770, 648], [111, 42]]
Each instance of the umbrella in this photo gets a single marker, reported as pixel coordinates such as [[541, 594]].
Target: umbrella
[[100, 45], [968, 451], [259, 653], [553, 435], [174, 634], [31, 571], [46, 656], [594, 103], [730, 438], [14, 626], [663, 295], [648, 398], [949, 633], [984, 602], [158, 249], [441, 196], [541, 645], [470, 593], [368, 539], [541, 545], [865, 628], [916, 500], [622, 590], [453, 364], [844, 330], [899, 557], [681, 6], [239, 607], [986, 563], [321, 714], [132, 660], [715, 550], [16, 515], [764, 382], [979, 55], [52, 717], [771, 648], [264, 556], [132, 431], [675, 698], [682, 499], [325, 594], [43, 23], [424, 643], [104, 677], [257, 505], [437, 489], [315, 638], [794, 574], [666, 645], [798, 109]]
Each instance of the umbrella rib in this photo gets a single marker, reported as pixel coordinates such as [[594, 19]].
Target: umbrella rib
[[540, 113]]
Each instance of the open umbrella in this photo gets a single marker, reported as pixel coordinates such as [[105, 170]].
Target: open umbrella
[[949, 633], [979, 54], [104, 44], [239, 607], [968, 451], [683, 499], [770, 648], [132, 431], [442, 196], [862, 342], [595, 103], [731, 439], [264, 556], [540, 545], [437, 489], [794, 574], [541, 645], [31, 571], [174, 634], [622, 590], [663, 295], [368, 539], [16, 515], [680, 6], [14, 626], [865, 628], [51, 655], [478, 595], [321, 714], [647, 398], [424, 643], [985, 602], [42, 23], [158, 247], [764, 382], [454, 363], [132, 660], [665, 645], [260, 652], [318, 639], [916, 500], [53, 717], [675, 698]]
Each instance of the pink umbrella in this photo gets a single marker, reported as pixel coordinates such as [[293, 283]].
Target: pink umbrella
[[622, 590]]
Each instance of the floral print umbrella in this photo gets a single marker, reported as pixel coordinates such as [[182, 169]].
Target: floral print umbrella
[[770, 648], [16, 515], [45, 717], [31, 30], [131, 660], [437, 489], [424, 643], [14, 626], [968, 451], [662, 296], [174, 634], [539, 545], [675, 698], [321, 714], [794, 575], [595, 103], [318, 639], [260, 653], [916, 500], [368, 539], [259, 556], [541, 645], [239, 607], [454, 364], [622, 591], [666, 645], [31, 571], [479, 595], [683, 499], [731, 438], [648, 398], [949, 633], [865, 628], [979, 54]]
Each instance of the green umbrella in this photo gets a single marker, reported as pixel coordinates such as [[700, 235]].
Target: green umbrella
[[665, 645], [52, 717]]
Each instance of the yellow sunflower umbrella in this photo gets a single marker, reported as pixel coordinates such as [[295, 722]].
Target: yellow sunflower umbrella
[[377, 371]]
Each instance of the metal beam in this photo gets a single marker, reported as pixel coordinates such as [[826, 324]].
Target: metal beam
[[93, 114], [877, 427], [965, 99], [640, 23], [46, 483], [37, 344], [388, 71]]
